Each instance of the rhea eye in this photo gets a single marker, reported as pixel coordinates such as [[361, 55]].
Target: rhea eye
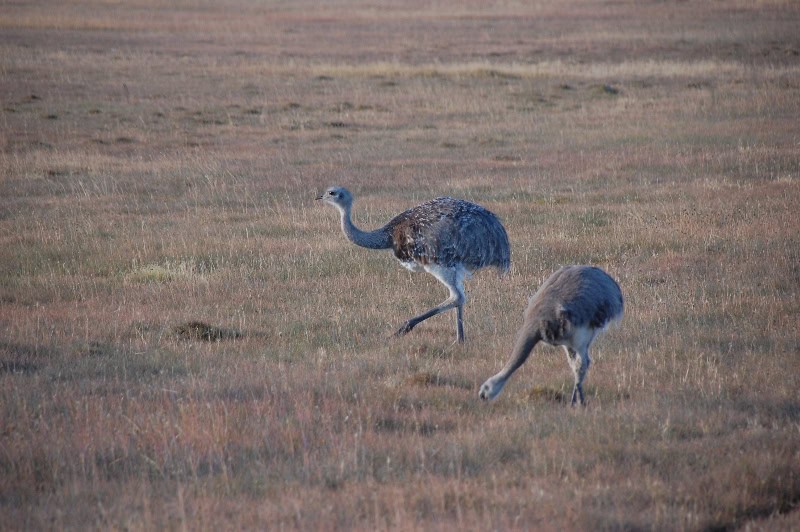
[[331, 193]]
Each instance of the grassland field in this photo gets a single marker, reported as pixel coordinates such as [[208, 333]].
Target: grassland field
[[187, 340]]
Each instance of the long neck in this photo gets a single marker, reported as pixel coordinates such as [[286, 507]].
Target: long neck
[[378, 239], [523, 346]]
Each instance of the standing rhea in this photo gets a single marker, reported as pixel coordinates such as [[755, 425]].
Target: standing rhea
[[569, 309], [446, 237]]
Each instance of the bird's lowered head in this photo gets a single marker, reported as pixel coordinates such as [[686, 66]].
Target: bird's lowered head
[[491, 389], [339, 197]]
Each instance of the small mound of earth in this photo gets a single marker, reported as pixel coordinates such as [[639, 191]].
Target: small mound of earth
[[197, 330]]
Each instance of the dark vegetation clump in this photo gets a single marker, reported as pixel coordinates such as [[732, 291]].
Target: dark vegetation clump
[[197, 330], [542, 393]]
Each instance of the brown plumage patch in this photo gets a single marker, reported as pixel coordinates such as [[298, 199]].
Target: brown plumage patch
[[449, 232], [197, 330], [404, 235]]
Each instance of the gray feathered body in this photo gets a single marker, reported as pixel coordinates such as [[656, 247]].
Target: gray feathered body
[[448, 232], [571, 298]]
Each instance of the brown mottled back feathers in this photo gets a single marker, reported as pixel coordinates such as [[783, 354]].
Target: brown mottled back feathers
[[448, 232]]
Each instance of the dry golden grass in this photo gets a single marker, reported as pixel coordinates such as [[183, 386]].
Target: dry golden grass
[[189, 342]]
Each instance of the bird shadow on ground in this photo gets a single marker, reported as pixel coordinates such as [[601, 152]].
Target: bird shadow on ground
[[545, 394]]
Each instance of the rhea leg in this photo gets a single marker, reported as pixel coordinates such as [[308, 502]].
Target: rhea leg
[[580, 365], [453, 279], [460, 321], [579, 360]]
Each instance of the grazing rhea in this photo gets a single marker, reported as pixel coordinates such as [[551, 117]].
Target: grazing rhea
[[446, 237], [569, 309]]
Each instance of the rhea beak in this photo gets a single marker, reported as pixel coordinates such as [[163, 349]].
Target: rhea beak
[[319, 197]]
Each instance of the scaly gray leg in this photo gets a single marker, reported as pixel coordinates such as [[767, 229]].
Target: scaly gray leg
[[453, 279], [580, 365]]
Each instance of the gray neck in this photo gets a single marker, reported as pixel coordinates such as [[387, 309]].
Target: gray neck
[[378, 239], [523, 346]]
